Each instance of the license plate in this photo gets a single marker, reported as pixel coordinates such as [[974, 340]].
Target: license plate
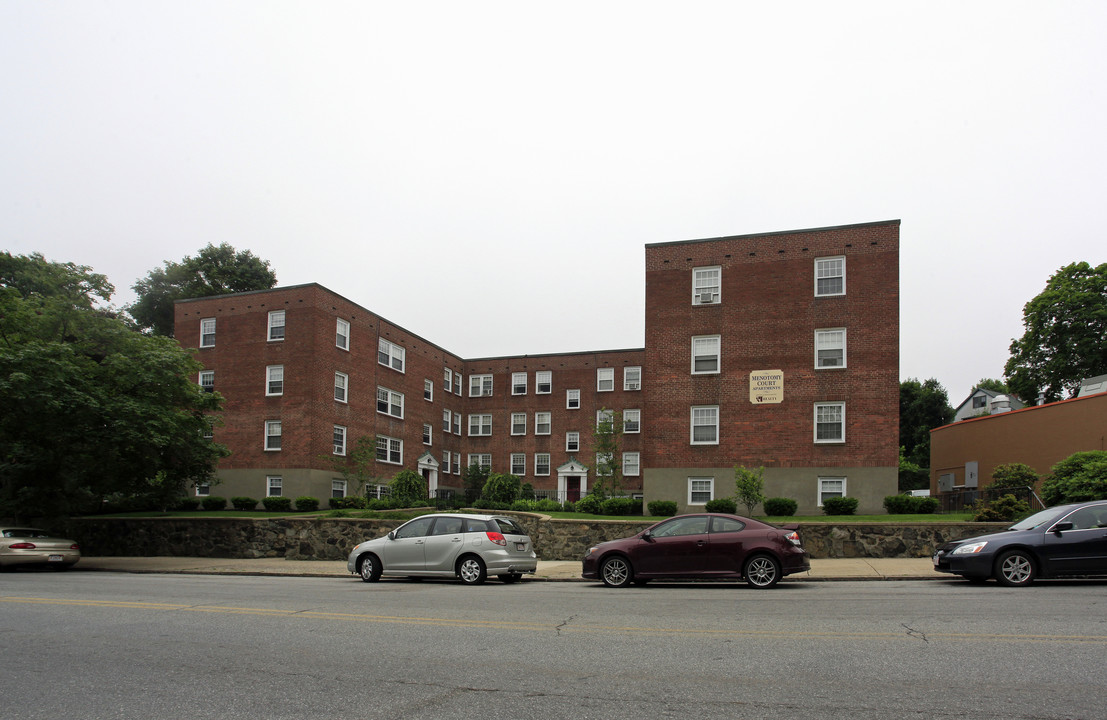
[[54, 558], [520, 546]]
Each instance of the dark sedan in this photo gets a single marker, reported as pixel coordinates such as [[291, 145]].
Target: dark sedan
[[1060, 541], [700, 546]]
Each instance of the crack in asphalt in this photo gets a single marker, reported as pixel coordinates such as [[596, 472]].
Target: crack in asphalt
[[563, 623], [912, 632]]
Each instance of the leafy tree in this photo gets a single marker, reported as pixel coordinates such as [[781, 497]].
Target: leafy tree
[[911, 476], [607, 438], [408, 488], [1065, 338], [996, 386], [501, 488], [1013, 476], [749, 486], [922, 407], [476, 475], [358, 467], [90, 407], [214, 271], [1080, 477]]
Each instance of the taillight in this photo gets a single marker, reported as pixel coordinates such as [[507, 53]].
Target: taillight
[[497, 538], [74, 546], [793, 537], [22, 546]]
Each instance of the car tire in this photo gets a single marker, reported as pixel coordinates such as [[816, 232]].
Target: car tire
[[616, 572], [761, 571], [510, 577], [369, 568], [1015, 568], [471, 570]]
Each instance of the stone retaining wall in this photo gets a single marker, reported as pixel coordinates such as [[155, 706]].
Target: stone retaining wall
[[314, 538]]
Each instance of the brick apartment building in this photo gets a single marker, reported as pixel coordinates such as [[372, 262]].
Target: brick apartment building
[[778, 350]]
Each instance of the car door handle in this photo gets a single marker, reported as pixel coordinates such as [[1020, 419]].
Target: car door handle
[[456, 539]]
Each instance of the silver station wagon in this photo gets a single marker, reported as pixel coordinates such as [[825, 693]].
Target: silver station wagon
[[468, 547]]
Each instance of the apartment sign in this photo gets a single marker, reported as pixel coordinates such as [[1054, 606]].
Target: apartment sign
[[766, 387]]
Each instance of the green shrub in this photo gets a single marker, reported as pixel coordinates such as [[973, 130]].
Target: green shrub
[[188, 504], [352, 502], [277, 504], [780, 507], [1080, 477], [241, 502], [214, 502], [589, 504], [619, 506], [501, 488], [409, 489], [1014, 476], [304, 503], [840, 506], [1003, 509], [378, 504], [898, 504], [926, 505], [524, 505], [662, 508], [721, 505], [547, 505], [526, 492], [485, 504]]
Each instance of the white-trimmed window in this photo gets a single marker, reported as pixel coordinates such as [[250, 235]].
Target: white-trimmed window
[[207, 380], [274, 380], [705, 425], [447, 418], [390, 450], [480, 424], [428, 434], [457, 423], [830, 276], [446, 463], [541, 463], [632, 421], [338, 488], [830, 348], [605, 417], [272, 434], [701, 490], [457, 383], [605, 379], [706, 285], [340, 382], [391, 355], [207, 332], [480, 385], [543, 382], [519, 383], [542, 423], [428, 390], [342, 335], [632, 378], [482, 459], [705, 354], [830, 422], [209, 429], [572, 442], [457, 463], [604, 465], [203, 490], [274, 486], [831, 487], [390, 402], [276, 324], [340, 442], [518, 464], [631, 464], [572, 399], [447, 379], [519, 423]]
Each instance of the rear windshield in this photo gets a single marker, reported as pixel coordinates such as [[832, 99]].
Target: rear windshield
[[25, 533], [507, 527]]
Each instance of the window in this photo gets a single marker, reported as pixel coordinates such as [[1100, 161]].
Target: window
[[604, 418], [390, 355], [705, 354], [541, 463], [543, 382], [203, 490], [390, 402], [632, 421], [519, 383], [390, 450], [273, 486], [457, 384], [631, 464], [480, 385], [209, 429], [830, 422], [457, 423], [830, 348], [484, 460], [572, 399], [518, 464], [447, 379], [604, 464], [427, 433], [446, 463], [632, 378], [339, 442], [572, 442], [706, 285], [342, 335], [338, 488], [605, 379], [980, 401], [705, 425], [340, 381], [276, 325], [207, 380], [541, 423], [831, 487], [480, 425], [830, 276], [518, 423], [207, 332], [274, 380], [700, 490], [428, 390], [446, 420], [457, 463], [272, 434]]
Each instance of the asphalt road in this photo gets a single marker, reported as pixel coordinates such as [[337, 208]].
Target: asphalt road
[[114, 645]]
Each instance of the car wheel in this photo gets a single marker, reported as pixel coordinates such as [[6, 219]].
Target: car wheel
[[369, 568], [761, 571], [1015, 568], [616, 572], [471, 570], [510, 577]]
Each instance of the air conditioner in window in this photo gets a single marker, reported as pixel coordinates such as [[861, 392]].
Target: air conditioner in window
[[633, 386], [706, 298]]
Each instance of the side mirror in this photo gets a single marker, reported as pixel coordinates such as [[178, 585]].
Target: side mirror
[[1059, 527], [392, 535], [647, 536]]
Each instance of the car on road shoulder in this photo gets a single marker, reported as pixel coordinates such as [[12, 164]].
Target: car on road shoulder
[[450, 545], [701, 545], [31, 546], [1060, 541]]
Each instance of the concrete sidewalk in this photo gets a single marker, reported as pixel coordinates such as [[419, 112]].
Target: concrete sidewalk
[[564, 571]]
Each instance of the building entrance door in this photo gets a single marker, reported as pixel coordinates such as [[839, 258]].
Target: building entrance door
[[572, 488]]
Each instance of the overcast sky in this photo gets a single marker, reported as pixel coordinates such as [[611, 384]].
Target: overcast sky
[[487, 174]]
